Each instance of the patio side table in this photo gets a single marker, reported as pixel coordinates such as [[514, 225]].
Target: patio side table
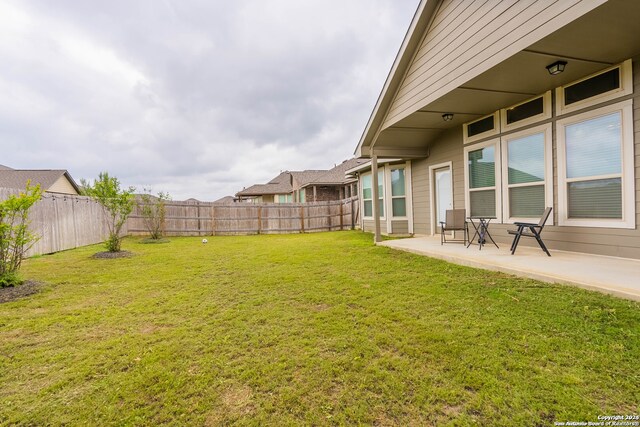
[[481, 230]]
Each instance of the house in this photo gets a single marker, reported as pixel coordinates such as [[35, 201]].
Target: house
[[333, 184], [503, 108], [50, 180], [278, 190], [226, 200], [284, 188]]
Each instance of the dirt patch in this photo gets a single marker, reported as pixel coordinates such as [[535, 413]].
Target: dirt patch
[[112, 255], [238, 400], [321, 307], [13, 293], [150, 241]]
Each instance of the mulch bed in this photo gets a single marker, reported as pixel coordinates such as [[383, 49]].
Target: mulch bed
[[13, 293], [112, 255]]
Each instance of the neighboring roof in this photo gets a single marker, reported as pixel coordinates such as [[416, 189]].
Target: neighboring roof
[[281, 184], [304, 177], [5, 168], [226, 200], [337, 175], [17, 178]]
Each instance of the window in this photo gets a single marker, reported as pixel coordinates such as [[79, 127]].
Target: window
[[602, 86], [482, 173], [367, 194], [528, 112], [398, 193], [303, 195], [284, 198], [595, 168], [527, 167], [481, 128]]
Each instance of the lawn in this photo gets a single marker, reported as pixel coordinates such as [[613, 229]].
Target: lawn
[[320, 329]]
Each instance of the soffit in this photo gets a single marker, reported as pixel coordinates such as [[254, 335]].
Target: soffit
[[603, 37]]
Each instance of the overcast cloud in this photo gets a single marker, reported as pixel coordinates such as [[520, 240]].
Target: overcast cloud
[[199, 98]]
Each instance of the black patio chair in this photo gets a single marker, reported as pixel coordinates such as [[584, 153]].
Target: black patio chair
[[455, 220], [530, 230]]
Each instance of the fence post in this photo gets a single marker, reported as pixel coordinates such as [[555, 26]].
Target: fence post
[[353, 215], [341, 217], [213, 220], [259, 219], [302, 219], [329, 214], [198, 214]]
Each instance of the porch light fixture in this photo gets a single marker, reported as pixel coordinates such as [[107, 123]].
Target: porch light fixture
[[447, 117], [556, 68]]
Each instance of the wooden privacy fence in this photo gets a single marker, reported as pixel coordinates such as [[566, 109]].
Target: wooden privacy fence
[[63, 222], [205, 219]]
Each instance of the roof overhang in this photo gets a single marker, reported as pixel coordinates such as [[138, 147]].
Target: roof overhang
[[603, 37], [366, 166]]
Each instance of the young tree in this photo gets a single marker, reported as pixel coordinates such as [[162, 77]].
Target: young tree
[[15, 237], [153, 212], [116, 203]]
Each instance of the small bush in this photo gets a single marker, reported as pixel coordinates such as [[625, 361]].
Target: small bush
[[153, 212], [116, 203], [15, 237]]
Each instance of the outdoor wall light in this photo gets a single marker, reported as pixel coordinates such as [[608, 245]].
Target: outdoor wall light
[[556, 68], [447, 117]]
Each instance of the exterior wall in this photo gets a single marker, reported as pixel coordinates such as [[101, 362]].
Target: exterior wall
[[62, 185], [603, 241], [449, 56], [447, 149], [398, 227], [324, 193], [393, 225]]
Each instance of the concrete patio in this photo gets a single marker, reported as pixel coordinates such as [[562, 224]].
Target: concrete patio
[[610, 275]]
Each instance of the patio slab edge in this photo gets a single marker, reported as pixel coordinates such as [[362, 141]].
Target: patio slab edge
[[543, 277]]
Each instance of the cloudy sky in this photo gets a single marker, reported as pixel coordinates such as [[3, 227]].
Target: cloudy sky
[[199, 98]]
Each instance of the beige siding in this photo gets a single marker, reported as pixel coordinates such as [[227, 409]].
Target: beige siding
[[420, 196], [62, 185], [446, 149], [399, 227], [602, 241], [468, 37]]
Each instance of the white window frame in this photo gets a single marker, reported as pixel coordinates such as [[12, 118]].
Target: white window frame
[[381, 170], [406, 187], [626, 88], [432, 193], [546, 113], [495, 131], [627, 174], [498, 178], [548, 171]]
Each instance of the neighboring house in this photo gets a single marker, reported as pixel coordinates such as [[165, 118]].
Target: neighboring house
[[278, 190], [50, 180], [476, 113], [284, 188], [226, 200], [332, 184], [305, 186]]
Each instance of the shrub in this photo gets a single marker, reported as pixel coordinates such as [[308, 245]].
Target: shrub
[[116, 203], [15, 237], [153, 212]]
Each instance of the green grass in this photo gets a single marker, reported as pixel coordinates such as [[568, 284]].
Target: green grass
[[320, 329]]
